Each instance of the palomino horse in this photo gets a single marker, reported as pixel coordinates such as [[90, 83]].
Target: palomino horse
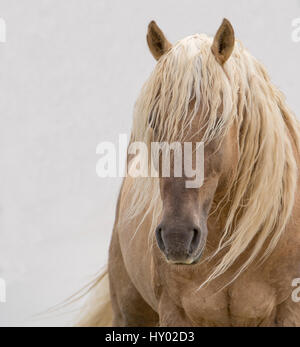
[[226, 253]]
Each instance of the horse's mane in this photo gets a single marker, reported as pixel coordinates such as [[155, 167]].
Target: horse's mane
[[261, 195]]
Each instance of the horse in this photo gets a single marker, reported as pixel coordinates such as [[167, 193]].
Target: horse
[[226, 253]]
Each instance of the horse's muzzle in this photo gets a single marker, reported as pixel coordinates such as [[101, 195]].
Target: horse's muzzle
[[180, 244]]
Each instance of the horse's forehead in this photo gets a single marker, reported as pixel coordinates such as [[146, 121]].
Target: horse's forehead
[[191, 45]]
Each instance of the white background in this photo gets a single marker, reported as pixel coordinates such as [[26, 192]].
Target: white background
[[70, 72]]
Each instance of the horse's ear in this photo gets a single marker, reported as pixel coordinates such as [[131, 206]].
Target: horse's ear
[[223, 44], [157, 42]]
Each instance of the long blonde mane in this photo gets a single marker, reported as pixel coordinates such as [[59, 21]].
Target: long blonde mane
[[261, 195]]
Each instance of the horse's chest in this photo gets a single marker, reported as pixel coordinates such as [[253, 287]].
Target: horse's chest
[[244, 304]]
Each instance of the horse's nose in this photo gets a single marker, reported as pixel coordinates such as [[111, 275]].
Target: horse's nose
[[180, 244]]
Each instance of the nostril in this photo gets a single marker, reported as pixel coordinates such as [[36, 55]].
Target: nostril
[[195, 235], [195, 240], [159, 239]]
